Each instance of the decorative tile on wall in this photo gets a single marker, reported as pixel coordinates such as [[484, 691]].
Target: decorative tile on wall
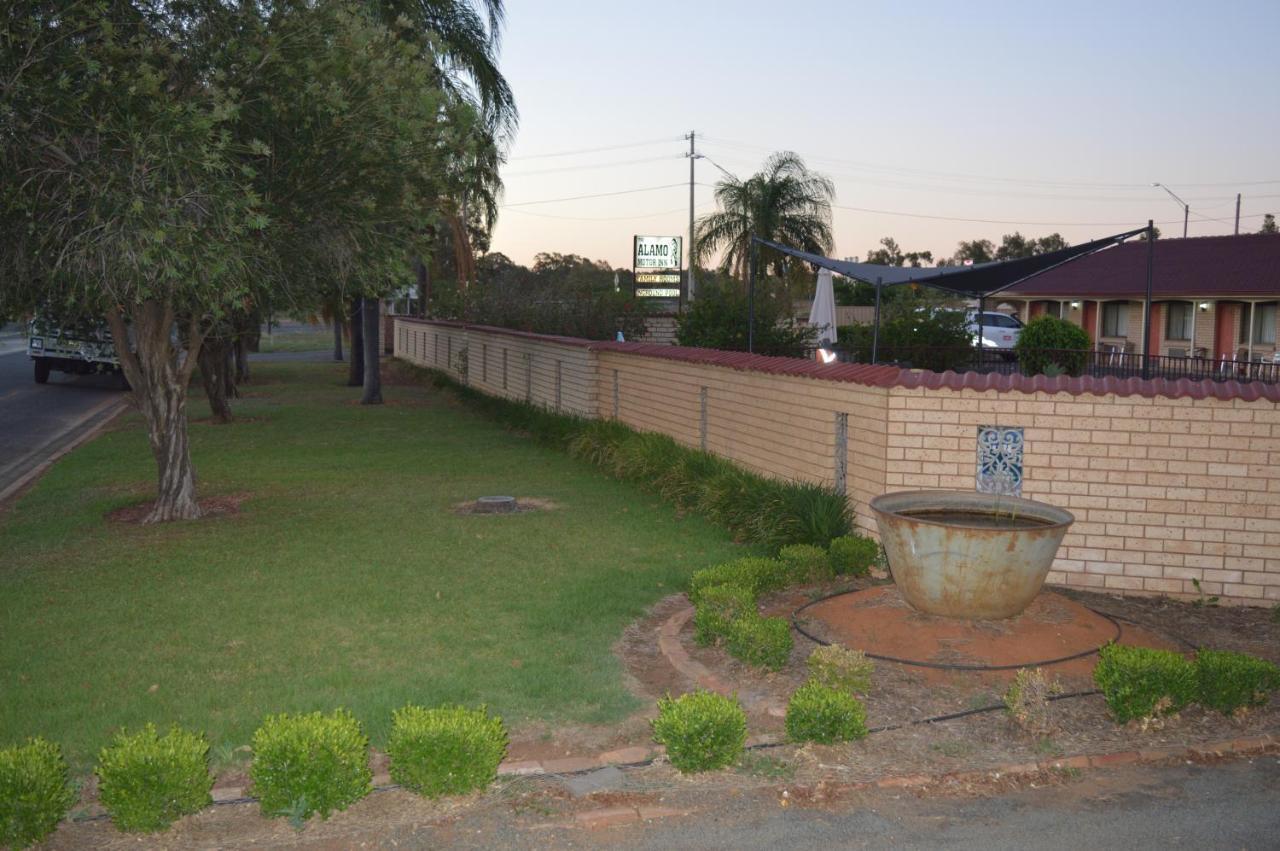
[[1000, 460]]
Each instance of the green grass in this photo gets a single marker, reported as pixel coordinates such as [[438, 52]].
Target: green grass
[[345, 580], [300, 341]]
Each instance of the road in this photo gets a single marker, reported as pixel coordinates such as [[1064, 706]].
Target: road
[[37, 421]]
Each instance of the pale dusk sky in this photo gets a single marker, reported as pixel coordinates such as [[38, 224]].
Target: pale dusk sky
[[1051, 117]]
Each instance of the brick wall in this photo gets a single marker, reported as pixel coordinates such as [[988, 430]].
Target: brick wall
[[1166, 488]]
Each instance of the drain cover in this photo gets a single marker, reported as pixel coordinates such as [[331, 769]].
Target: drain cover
[[495, 505]]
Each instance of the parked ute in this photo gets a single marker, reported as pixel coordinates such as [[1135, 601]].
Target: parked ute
[[999, 330], [83, 347]]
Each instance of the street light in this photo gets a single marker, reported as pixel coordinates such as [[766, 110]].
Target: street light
[[1186, 208]]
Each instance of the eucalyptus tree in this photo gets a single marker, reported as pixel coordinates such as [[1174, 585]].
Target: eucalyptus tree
[[784, 202]]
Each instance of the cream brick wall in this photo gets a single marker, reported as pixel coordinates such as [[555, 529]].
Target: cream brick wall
[[1165, 490]]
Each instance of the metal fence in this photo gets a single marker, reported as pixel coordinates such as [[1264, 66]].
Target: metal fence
[[1070, 362]]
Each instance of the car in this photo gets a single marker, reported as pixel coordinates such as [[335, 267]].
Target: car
[[82, 347], [999, 330]]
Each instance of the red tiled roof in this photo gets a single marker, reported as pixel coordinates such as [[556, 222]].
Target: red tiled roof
[[1223, 266]]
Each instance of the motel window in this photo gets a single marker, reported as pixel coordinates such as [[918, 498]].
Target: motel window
[[1181, 315], [1052, 308], [1115, 319], [1264, 323]]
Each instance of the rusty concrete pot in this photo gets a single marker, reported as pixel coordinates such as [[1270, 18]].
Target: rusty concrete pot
[[968, 555]]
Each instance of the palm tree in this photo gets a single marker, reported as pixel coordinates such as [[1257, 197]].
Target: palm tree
[[784, 202]]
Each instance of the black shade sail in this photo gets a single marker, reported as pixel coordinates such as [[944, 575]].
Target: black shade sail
[[977, 281]]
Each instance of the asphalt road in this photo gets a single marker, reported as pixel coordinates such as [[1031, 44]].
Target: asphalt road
[[36, 421]]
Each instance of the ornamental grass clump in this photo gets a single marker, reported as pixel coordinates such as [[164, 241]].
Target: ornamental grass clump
[[805, 563], [1026, 701], [853, 555], [449, 750], [1228, 681], [34, 792], [718, 607], [840, 668], [819, 713], [147, 781], [701, 730], [1141, 682], [307, 764], [760, 641]]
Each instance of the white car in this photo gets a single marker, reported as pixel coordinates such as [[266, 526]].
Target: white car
[[999, 330]]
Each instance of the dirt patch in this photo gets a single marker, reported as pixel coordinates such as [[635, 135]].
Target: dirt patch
[[213, 506], [523, 504]]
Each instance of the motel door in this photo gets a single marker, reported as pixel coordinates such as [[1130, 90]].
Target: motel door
[[1224, 331]]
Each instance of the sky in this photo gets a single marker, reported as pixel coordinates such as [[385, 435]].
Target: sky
[[938, 122]]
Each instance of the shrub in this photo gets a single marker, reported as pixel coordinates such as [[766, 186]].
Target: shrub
[[853, 555], [1048, 340], [717, 319], [34, 792], [305, 764], [818, 713], [718, 607], [805, 563], [146, 780], [1227, 681], [1139, 682], [445, 751], [701, 730], [763, 642], [756, 575], [840, 668], [1027, 700]]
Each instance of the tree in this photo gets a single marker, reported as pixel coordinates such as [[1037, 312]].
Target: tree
[[1268, 224], [975, 251], [889, 254], [784, 202]]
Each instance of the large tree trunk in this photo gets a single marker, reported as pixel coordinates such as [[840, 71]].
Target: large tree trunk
[[337, 339], [242, 359], [214, 376], [424, 284], [372, 377], [355, 376], [159, 377]]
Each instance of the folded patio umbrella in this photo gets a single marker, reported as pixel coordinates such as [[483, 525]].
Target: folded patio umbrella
[[822, 315]]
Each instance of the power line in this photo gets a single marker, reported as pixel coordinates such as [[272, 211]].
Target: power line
[[581, 151], [615, 164], [1007, 222], [596, 195], [611, 218]]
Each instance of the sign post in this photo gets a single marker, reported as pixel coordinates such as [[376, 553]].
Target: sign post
[[656, 264]]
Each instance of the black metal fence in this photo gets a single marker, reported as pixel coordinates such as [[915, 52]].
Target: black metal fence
[[1071, 362]]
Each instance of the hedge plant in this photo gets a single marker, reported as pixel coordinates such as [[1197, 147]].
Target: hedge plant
[[146, 781], [853, 555], [1228, 681], [718, 607], [1048, 341], [1138, 682], [819, 713], [449, 750], [307, 764], [805, 563], [34, 792], [840, 668], [760, 641], [756, 575], [701, 730]]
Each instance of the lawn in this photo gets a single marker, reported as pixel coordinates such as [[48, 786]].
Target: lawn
[[344, 580]]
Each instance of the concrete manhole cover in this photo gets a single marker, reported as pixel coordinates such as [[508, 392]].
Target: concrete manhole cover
[[503, 505]]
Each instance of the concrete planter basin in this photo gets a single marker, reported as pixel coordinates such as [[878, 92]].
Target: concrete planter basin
[[968, 555]]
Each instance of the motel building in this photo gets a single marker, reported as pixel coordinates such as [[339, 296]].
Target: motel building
[[1214, 298]]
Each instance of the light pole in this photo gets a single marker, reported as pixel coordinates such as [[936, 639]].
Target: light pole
[[1186, 208]]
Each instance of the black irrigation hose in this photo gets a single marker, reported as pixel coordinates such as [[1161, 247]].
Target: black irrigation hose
[[945, 666]]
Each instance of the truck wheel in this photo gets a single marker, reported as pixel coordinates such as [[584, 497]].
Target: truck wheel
[[42, 371]]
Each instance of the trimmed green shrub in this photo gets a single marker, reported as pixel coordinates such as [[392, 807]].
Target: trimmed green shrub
[[701, 730], [1227, 681], [718, 607], [34, 792], [1139, 682], [146, 780], [805, 563], [841, 668], [756, 575], [763, 642], [451, 750], [853, 555], [305, 764], [1048, 341], [818, 713]]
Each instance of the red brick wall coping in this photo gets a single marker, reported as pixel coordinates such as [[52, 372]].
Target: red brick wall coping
[[892, 376]]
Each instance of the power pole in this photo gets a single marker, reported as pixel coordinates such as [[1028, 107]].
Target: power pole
[[1237, 214], [693, 155]]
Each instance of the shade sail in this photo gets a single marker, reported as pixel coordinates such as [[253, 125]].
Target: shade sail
[[977, 281]]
